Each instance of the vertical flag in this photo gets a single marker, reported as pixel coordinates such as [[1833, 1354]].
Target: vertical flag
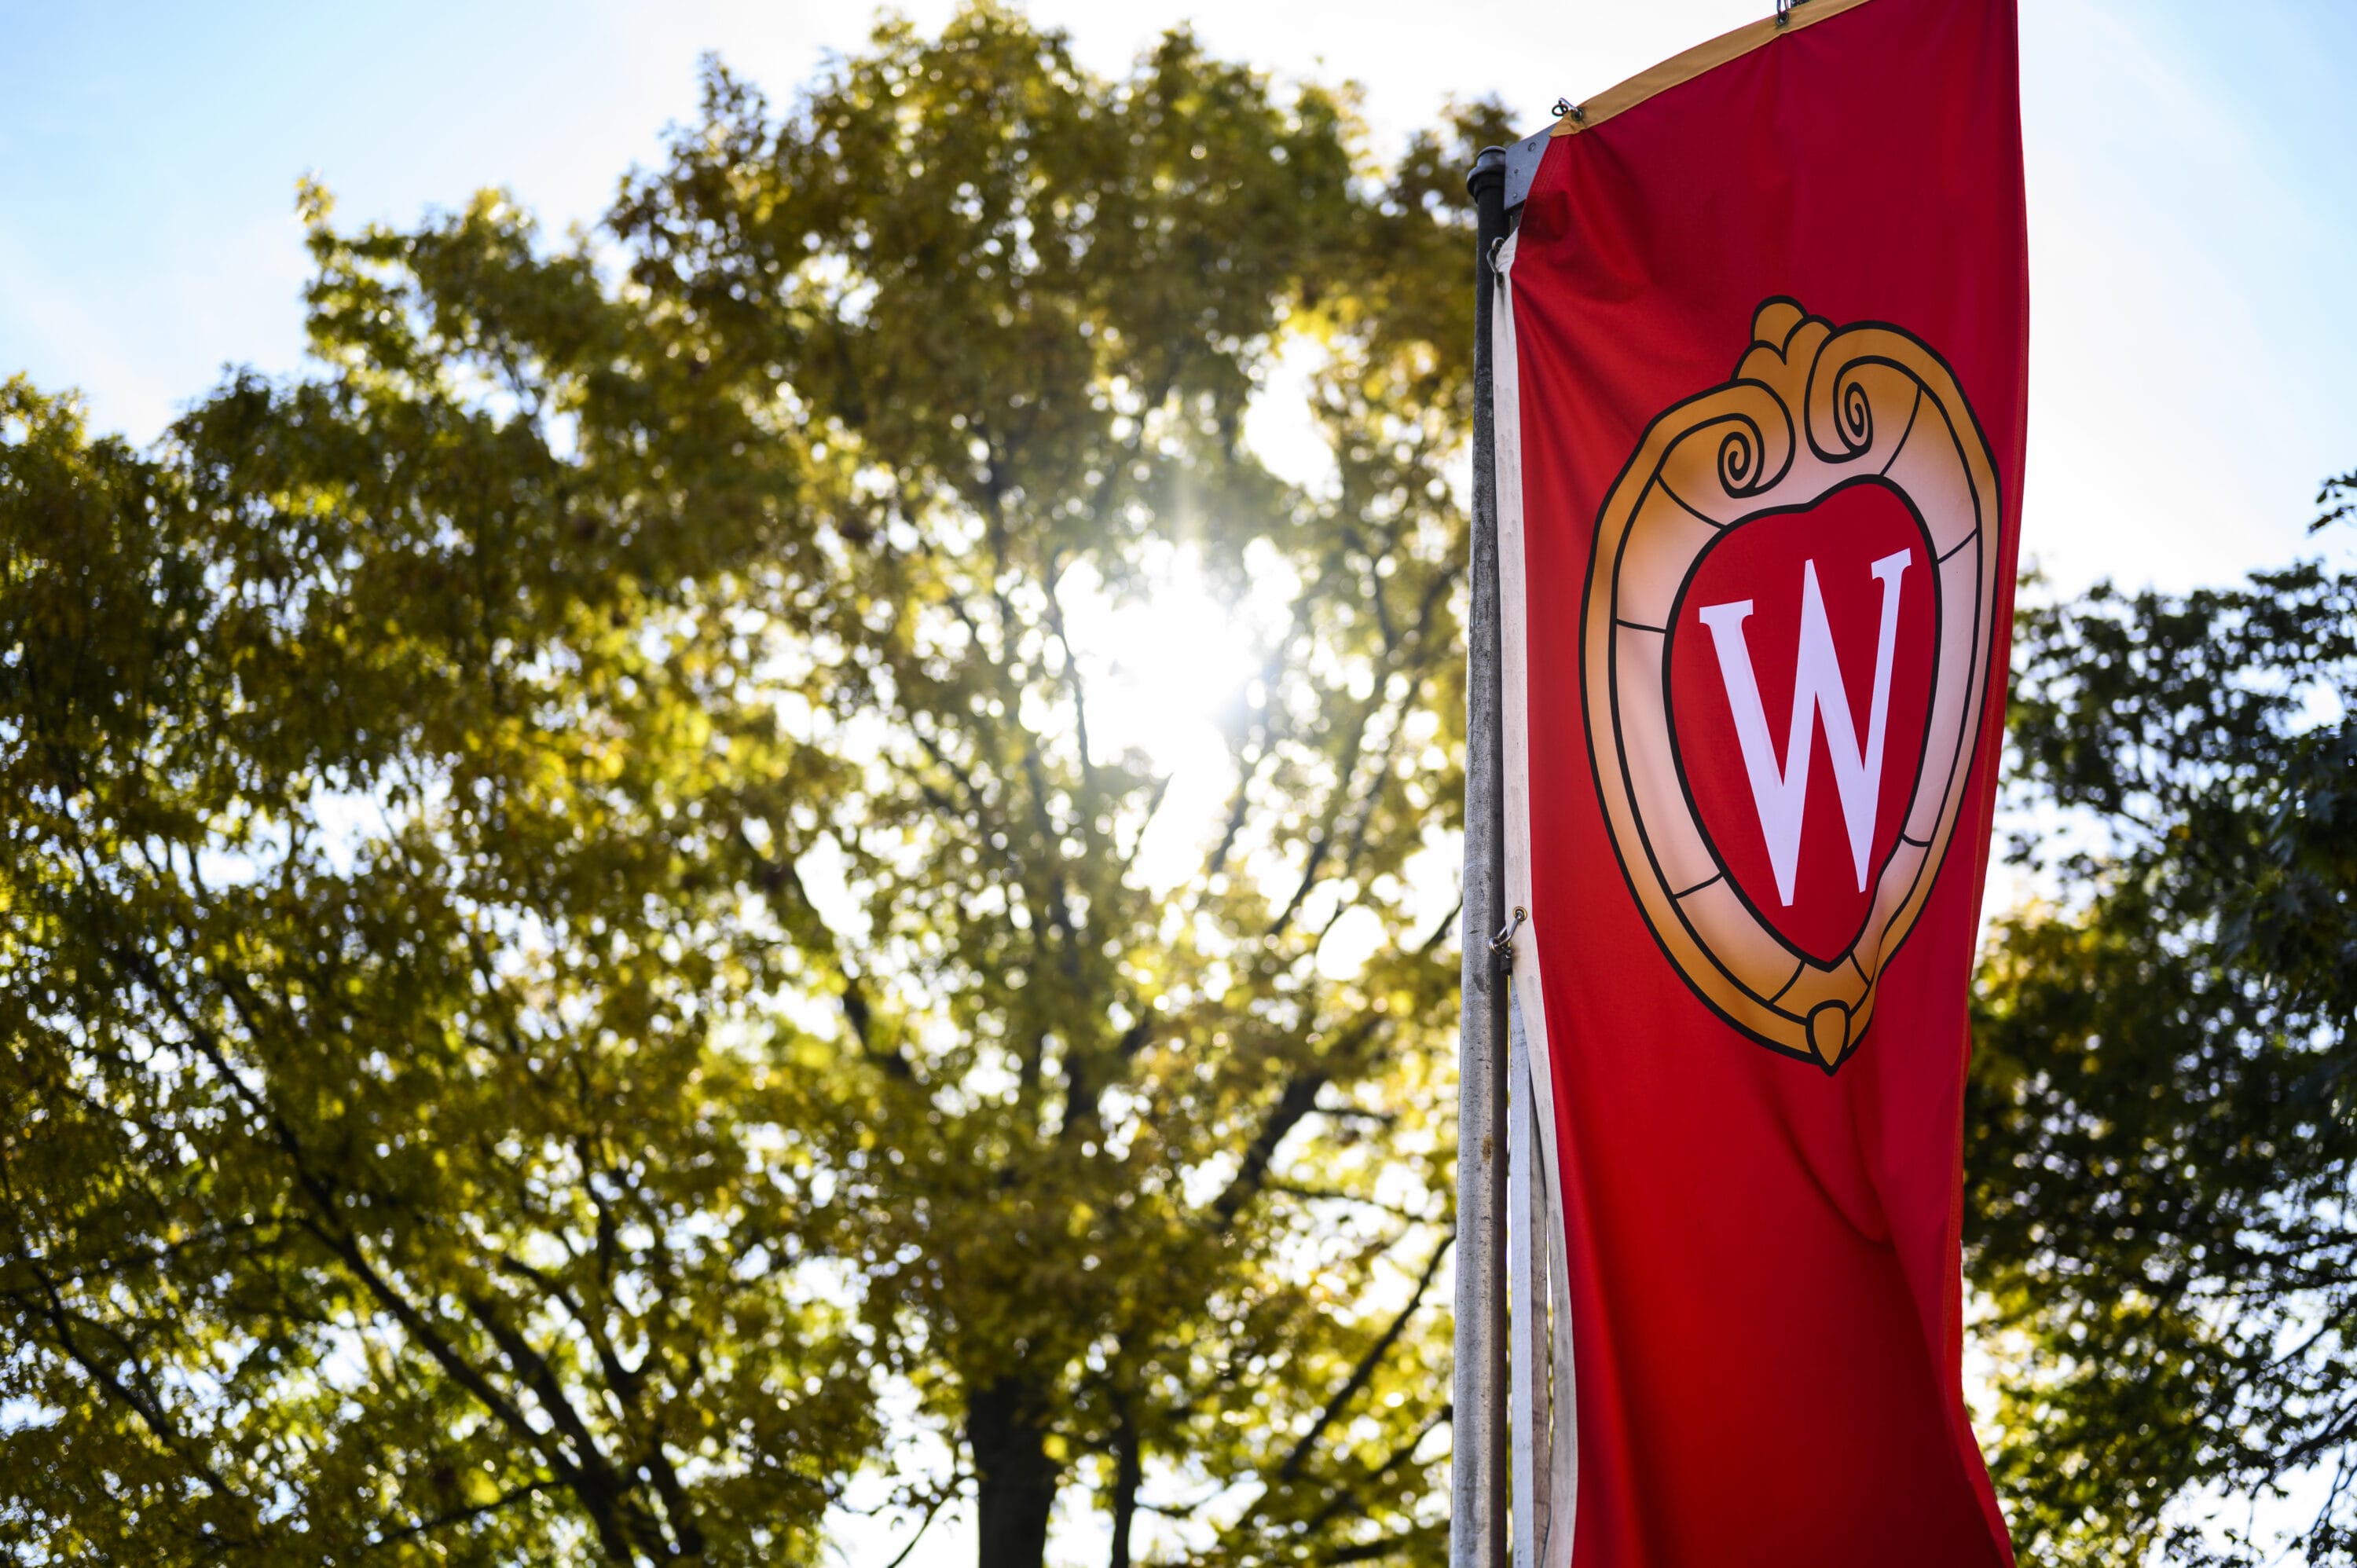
[[1762, 361]]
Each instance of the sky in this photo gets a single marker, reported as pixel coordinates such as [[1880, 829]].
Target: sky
[[2192, 177], [2192, 174]]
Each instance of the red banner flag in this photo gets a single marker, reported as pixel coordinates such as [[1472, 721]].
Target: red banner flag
[[1761, 356]]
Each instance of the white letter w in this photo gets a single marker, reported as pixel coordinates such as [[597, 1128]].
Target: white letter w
[[1783, 796]]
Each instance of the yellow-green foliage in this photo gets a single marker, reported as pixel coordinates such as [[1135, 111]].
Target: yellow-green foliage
[[439, 1126]]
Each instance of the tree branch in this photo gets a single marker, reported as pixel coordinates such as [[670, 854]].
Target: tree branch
[[1365, 1370]]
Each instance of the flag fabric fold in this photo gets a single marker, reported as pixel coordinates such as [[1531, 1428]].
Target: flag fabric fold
[[1762, 370]]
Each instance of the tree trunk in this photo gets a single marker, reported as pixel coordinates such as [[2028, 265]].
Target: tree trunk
[[1015, 1480], [1129, 1473]]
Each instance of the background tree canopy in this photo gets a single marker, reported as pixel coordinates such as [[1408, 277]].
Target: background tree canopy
[[443, 1124], [577, 978], [2163, 1112]]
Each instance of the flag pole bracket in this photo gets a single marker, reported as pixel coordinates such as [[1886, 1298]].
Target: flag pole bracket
[[1523, 157]]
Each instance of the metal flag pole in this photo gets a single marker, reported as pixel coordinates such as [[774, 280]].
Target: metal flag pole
[[1478, 1536]]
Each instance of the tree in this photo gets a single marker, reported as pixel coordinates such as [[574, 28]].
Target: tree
[[399, 1159], [442, 1122], [2162, 1128]]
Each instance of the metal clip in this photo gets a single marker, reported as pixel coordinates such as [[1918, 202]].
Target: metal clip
[[1784, 12], [1501, 946], [1578, 112]]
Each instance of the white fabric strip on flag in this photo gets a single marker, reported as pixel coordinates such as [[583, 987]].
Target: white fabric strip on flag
[[1545, 1474], [1528, 1420], [1544, 1422]]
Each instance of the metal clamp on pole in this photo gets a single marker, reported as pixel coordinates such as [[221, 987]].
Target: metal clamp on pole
[[1502, 944]]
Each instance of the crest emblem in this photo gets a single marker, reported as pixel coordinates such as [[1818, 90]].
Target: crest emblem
[[1837, 467]]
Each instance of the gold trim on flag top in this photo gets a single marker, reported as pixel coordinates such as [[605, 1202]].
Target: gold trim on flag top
[[1695, 62]]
